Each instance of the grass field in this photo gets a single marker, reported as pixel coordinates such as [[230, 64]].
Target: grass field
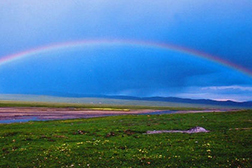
[[4, 103], [119, 141]]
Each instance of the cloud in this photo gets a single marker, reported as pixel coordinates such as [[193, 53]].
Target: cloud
[[235, 87], [235, 93]]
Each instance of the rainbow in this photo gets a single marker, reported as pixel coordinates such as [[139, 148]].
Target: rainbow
[[87, 43]]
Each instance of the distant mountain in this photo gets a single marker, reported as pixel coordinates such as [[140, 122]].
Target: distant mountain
[[125, 100], [187, 100], [227, 103]]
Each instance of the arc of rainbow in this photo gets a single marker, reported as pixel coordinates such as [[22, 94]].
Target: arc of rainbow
[[58, 46]]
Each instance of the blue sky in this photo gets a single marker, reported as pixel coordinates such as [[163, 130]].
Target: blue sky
[[219, 28]]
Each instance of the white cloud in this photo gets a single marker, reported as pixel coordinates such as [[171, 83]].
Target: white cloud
[[235, 87], [216, 96], [220, 93]]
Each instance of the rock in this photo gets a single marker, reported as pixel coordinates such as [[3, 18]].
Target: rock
[[196, 130]]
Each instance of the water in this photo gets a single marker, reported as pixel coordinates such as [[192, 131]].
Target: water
[[34, 118], [19, 120]]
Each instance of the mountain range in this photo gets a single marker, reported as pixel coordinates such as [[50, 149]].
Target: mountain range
[[125, 100], [228, 103]]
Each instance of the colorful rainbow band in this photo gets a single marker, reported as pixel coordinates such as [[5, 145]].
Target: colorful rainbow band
[[58, 46]]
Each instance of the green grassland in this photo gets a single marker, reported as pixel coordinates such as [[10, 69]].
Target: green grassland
[[119, 141], [83, 106]]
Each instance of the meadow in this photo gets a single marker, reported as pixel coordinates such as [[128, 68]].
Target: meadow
[[120, 141], [81, 106]]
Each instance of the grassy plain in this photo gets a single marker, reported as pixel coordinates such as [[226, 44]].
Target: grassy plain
[[4, 103], [119, 141]]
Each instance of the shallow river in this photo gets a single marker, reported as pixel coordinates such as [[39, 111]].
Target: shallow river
[[36, 118]]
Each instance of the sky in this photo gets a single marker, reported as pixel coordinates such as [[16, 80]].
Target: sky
[[191, 49]]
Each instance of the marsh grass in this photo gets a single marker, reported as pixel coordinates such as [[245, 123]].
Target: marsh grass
[[119, 141]]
